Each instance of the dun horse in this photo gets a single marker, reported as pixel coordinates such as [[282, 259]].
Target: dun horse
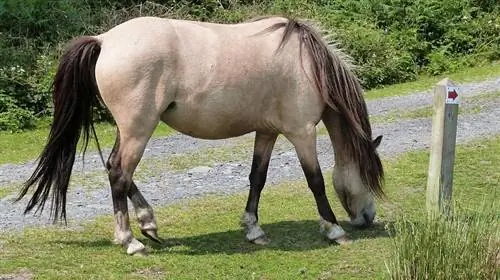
[[270, 76]]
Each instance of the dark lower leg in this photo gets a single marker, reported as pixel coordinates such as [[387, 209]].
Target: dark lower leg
[[119, 186], [260, 163], [316, 183], [121, 164], [123, 234], [250, 218], [328, 222], [305, 145], [144, 213], [257, 179]]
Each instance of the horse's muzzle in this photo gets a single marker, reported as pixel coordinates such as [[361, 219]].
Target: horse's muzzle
[[364, 219]]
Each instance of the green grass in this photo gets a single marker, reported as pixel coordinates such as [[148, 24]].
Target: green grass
[[23, 146], [399, 115], [242, 149], [483, 98], [204, 240], [468, 106], [426, 82], [211, 156], [463, 246], [7, 190]]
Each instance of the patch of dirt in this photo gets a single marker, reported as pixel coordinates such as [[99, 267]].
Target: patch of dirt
[[149, 273], [22, 274]]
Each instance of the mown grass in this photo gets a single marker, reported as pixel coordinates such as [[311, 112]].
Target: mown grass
[[27, 145], [204, 240], [468, 106], [7, 190], [239, 150], [488, 71], [211, 156]]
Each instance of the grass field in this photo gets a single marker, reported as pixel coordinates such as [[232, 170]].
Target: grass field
[[204, 240], [425, 82], [470, 105], [23, 146]]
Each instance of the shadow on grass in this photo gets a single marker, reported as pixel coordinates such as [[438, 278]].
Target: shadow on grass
[[101, 243], [284, 236]]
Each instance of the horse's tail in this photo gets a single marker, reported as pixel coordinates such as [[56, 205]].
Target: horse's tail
[[74, 93], [342, 92]]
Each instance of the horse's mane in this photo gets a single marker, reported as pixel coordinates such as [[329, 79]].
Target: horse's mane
[[342, 91]]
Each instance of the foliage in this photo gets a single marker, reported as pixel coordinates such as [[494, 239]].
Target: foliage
[[391, 40], [462, 246], [12, 115]]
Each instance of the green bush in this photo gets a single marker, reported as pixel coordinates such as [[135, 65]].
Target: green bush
[[13, 118], [380, 61], [28, 92], [31, 32]]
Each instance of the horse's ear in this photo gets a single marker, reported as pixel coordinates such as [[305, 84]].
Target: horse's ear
[[377, 141]]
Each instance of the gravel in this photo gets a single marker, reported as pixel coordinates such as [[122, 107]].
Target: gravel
[[167, 186]]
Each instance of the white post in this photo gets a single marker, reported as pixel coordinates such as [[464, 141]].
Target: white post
[[442, 156]]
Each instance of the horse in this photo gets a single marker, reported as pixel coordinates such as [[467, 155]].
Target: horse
[[269, 76]]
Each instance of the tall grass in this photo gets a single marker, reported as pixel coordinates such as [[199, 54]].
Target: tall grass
[[463, 245]]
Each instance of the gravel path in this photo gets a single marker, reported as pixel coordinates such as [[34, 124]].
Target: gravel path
[[166, 186]]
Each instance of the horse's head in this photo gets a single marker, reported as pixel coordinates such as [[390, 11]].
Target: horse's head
[[356, 198]]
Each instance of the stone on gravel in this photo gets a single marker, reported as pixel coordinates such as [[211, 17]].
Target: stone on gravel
[[199, 170]]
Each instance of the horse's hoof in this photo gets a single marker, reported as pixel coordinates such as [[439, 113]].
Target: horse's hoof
[[136, 248], [152, 234], [263, 240]]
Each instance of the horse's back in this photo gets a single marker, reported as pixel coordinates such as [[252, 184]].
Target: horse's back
[[189, 53], [216, 80], [232, 81]]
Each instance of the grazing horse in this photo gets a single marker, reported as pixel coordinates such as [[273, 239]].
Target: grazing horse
[[270, 76]]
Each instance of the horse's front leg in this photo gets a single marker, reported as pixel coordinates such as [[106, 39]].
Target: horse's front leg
[[263, 148], [305, 146]]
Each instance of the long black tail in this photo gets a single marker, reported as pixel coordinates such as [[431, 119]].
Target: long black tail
[[74, 95]]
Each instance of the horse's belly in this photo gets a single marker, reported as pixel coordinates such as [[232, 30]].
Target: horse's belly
[[207, 125]]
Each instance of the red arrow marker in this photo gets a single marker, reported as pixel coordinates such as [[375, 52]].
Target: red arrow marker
[[452, 94]]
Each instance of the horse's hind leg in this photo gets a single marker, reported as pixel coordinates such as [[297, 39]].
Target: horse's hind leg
[[144, 213], [122, 163], [263, 148], [305, 146]]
